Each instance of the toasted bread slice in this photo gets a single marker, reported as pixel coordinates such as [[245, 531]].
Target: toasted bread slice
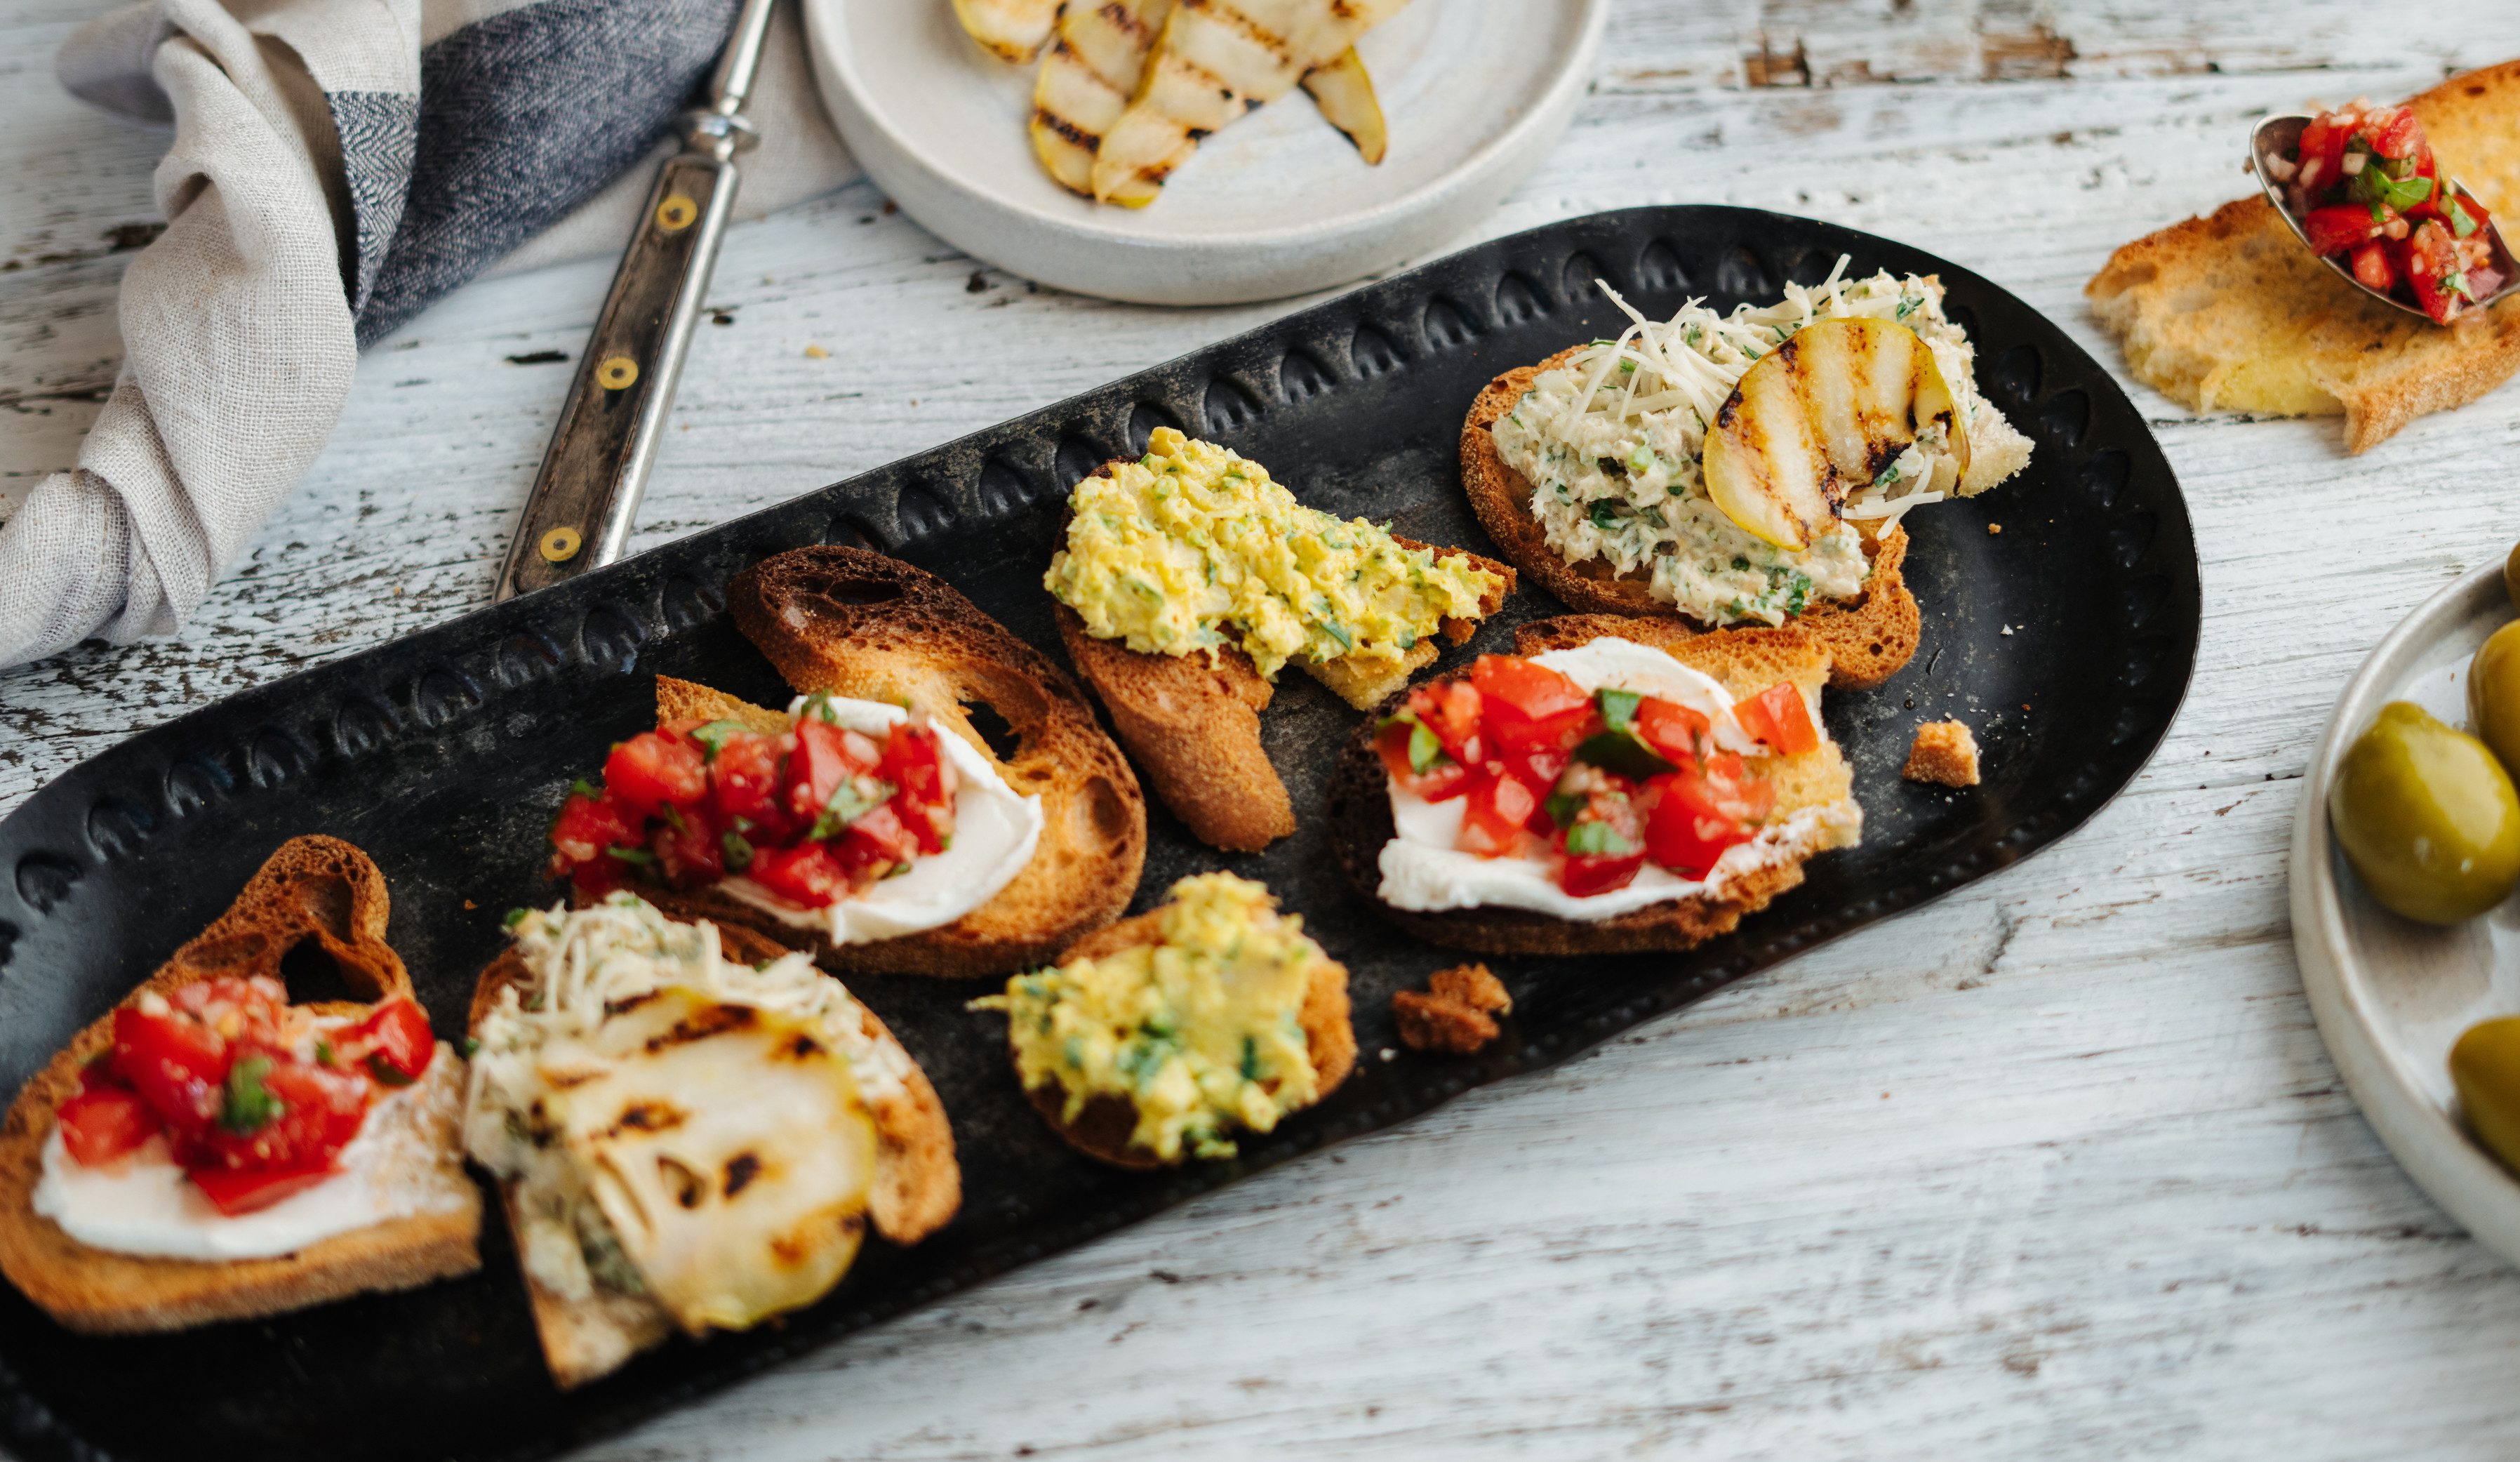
[[1870, 637], [859, 624], [1745, 662], [2232, 313], [918, 1189], [318, 890], [1105, 1125], [1192, 721]]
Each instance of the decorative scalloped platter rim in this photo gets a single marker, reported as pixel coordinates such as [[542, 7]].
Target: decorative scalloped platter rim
[[2066, 640]]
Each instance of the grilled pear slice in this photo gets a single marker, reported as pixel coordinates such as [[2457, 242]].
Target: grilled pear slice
[[1819, 417], [1014, 29], [728, 1147], [1085, 79], [1345, 94], [1216, 60]]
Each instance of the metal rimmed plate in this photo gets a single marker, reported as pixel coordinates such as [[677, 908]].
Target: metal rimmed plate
[[2066, 641], [2392, 995], [1475, 91]]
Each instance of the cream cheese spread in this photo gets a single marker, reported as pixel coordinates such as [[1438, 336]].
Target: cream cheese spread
[[403, 1164], [1424, 870], [995, 832]]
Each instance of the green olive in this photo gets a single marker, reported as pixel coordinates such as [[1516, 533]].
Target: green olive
[[2511, 575], [2426, 817], [2494, 694], [2484, 1067]]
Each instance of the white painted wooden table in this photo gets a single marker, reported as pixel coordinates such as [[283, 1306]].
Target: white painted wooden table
[[2055, 1166]]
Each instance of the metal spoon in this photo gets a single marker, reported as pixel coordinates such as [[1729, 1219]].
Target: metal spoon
[[2279, 138]]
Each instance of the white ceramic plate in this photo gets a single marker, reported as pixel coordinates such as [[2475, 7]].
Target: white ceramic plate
[[2392, 995], [1475, 93]]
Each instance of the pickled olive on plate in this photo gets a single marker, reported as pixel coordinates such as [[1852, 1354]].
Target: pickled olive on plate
[[2426, 817], [2494, 694], [2485, 1068], [2511, 575]]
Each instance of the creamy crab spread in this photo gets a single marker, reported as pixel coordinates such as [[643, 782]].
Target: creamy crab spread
[[1612, 444]]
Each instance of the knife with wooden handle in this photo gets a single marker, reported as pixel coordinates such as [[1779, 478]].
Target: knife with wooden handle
[[586, 497]]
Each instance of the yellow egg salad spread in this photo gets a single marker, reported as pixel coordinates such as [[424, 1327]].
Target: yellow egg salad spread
[[1193, 545], [1199, 1031]]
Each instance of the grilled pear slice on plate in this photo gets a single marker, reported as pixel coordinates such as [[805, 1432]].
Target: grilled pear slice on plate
[[1345, 95], [1820, 416], [1015, 29], [1215, 60], [1085, 79]]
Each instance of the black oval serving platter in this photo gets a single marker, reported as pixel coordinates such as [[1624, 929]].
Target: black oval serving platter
[[445, 752]]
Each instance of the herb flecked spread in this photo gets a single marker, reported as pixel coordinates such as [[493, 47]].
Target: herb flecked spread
[[1193, 546], [1200, 1031], [1612, 442]]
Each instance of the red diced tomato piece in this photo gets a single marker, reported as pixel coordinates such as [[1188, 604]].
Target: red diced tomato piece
[[688, 852], [176, 1065], [1699, 810], [1777, 716], [1536, 691], [587, 826], [1501, 807], [2340, 228], [252, 1189], [311, 1115], [1441, 781], [651, 770], [2372, 268], [598, 878], [1451, 708], [824, 759], [2322, 148], [104, 1123], [2396, 133], [745, 778], [2428, 258], [394, 1041], [916, 764], [1584, 874], [874, 843], [808, 874], [1672, 729]]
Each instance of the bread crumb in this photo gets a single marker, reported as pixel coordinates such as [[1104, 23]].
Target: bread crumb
[[469, 904], [1995, 527], [816, 352], [1458, 1016], [1943, 751]]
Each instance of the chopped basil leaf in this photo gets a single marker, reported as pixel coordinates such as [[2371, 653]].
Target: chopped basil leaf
[[2461, 222], [384, 1072], [1620, 752], [714, 736], [639, 855], [1598, 839], [323, 1052], [819, 705], [249, 1105], [468, 1046], [739, 852], [853, 798], [1563, 805], [1425, 747], [1618, 706], [587, 790]]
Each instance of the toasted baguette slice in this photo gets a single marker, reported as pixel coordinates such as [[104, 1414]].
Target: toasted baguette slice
[[918, 1188], [1870, 637], [2232, 313], [312, 889], [1745, 662], [1192, 721], [1105, 1125], [859, 624]]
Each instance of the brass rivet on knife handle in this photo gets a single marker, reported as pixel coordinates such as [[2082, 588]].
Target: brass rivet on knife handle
[[585, 499]]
